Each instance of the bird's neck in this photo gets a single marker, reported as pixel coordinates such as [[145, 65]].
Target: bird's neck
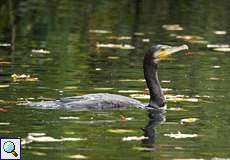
[[151, 77]]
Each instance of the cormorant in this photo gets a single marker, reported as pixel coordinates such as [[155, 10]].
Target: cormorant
[[106, 100]]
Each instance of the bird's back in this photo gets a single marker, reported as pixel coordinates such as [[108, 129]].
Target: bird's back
[[89, 101]]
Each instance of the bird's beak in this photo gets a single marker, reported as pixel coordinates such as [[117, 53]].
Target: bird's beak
[[170, 50]]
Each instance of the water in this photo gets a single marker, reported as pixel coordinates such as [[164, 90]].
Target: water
[[75, 66]]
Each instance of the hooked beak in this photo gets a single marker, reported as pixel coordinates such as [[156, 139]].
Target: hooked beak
[[170, 50]]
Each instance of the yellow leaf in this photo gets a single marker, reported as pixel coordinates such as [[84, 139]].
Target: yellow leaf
[[120, 131]]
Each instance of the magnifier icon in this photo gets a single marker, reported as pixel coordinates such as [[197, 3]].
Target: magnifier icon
[[9, 147]]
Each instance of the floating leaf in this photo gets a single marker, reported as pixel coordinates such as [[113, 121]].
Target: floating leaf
[[70, 117], [5, 44], [188, 120], [129, 91], [120, 131], [132, 80], [3, 110], [119, 46], [189, 37], [4, 86], [120, 37], [216, 67], [220, 32], [222, 49], [198, 41], [189, 159], [218, 46], [214, 78], [4, 123], [192, 100], [69, 132], [172, 27], [78, 156], [38, 153], [139, 96], [103, 88], [5, 62], [180, 135], [178, 98], [98, 69], [99, 31], [166, 81], [36, 134], [23, 77], [139, 34], [146, 40], [70, 87], [134, 138], [144, 149], [113, 57], [40, 137], [41, 51], [177, 109]]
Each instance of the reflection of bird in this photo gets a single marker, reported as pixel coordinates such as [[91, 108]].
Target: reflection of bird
[[105, 100], [149, 130]]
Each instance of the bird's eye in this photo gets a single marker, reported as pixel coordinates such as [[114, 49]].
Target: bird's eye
[[162, 49]]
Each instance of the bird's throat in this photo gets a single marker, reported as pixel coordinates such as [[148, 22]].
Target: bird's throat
[[151, 77]]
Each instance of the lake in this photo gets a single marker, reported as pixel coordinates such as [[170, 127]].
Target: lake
[[53, 49]]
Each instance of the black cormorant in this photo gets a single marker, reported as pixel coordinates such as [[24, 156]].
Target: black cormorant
[[106, 100]]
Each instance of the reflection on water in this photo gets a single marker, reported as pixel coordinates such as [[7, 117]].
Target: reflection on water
[[77, 47], [149, 130]]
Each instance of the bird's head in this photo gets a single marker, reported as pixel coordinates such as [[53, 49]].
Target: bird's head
[[160, 52]]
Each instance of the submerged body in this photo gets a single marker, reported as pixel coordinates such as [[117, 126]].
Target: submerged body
[[90, 101], [108, 101]]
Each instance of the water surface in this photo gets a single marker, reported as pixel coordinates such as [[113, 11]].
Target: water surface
[[72, 63]]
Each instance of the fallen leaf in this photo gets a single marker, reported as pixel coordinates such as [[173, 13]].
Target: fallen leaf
[[99, 31], [216, 67], [120, 131], [123, 118], [4, 86], [118, 46], [172, 27], [32, 137], [103, 88], [129, 91], [78, 156], [3, 110], [23, 77], [188, 120], [139, 96], [38, 153], [139, 34], [180, 135], [134, 138], [144, 149], [132, 80], [113, 57], [120, 37], [5, 62], [222, 49], [218, 46], [70, 87], [70, 117], [41, 51], [146, 40], [220, 32], [4, 123], [177, 109], [5, 44]]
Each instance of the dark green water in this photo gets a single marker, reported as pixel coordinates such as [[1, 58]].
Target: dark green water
[[75, 66]]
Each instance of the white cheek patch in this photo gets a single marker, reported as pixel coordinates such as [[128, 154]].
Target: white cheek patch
[[156, 54]]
